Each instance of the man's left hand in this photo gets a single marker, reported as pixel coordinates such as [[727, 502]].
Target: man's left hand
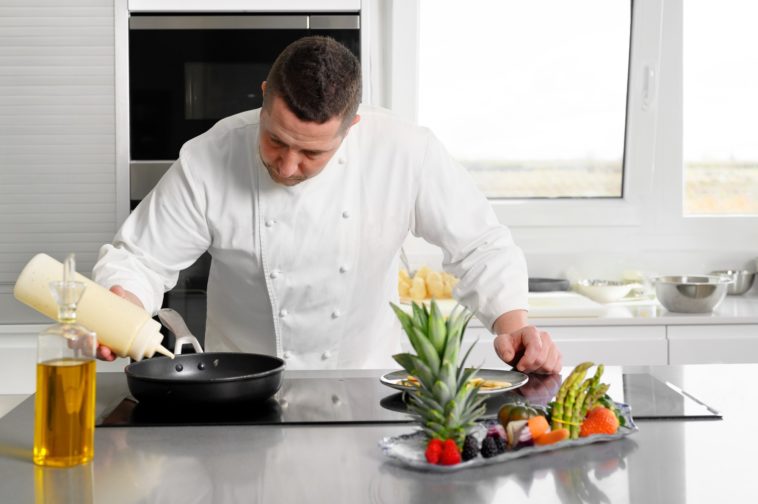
[[529, 350]]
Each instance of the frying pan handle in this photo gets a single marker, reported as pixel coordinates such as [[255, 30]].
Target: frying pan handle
[[175, 323]]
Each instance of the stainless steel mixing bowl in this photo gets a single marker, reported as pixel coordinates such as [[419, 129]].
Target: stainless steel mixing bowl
[[691, 293], [743, 280]]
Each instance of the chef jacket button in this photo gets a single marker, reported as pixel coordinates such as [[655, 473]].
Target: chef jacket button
[[326, 355], [345, 214], [270, 223], [274, 273], [336, 314], [287, 354], [341, 160], [283, 312], [343, 269], [336, 400]]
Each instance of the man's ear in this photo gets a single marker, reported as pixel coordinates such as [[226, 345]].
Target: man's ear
[[263, 88], [352, 123]]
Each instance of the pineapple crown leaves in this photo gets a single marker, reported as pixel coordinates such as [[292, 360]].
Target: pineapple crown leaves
[[434, 340], [445, 402]]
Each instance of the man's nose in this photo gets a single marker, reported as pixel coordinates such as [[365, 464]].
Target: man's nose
[[290, 162]]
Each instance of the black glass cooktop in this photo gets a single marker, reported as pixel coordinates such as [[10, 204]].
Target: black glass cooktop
[[366, 400]]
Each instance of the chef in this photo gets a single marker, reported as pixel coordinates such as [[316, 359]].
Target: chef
[[303, 205]]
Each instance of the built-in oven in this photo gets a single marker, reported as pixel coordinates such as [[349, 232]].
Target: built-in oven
[[188, 71]]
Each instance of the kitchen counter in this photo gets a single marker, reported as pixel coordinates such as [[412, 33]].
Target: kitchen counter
[[666, 461], [649, 312]]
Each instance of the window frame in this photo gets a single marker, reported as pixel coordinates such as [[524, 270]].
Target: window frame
[[649, 218], [639, 131]]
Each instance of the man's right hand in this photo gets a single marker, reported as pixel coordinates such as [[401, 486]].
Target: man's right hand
[[103, 352]]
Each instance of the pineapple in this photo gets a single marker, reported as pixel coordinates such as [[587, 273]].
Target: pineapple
[[445, 402]]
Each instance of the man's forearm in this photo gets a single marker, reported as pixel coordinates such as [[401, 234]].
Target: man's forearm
[[510, 322]]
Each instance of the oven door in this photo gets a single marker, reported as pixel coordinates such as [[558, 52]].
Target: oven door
[[188, 71]]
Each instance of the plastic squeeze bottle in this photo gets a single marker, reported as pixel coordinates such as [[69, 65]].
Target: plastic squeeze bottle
[[64, 405], [125, 328]]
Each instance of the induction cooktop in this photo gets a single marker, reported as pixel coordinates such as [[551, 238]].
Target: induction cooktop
[[366, 400]]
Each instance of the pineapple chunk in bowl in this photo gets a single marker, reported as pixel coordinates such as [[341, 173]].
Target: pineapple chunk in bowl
[[425, 284]]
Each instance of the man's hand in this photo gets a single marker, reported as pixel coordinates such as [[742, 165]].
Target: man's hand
[[103, 352], [529, 350], [524, 346]]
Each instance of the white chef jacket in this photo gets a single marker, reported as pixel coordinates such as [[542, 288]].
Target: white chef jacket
[[307, 272]]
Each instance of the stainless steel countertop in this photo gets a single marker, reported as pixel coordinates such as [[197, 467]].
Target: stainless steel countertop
[[666, 461]]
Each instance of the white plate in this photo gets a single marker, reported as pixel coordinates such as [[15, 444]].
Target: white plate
[[515, 378]]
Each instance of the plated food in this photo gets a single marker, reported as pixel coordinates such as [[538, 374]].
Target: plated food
[[447, 399], [582, 413], [410, 450], [488, 381]]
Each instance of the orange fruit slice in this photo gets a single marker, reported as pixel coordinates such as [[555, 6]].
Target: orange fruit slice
[[552, 437], [538, 426]]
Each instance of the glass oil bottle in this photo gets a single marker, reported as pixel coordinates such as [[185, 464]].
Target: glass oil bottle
[[64, 416]]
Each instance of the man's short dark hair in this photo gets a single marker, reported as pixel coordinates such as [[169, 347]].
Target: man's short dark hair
[[318, 78]]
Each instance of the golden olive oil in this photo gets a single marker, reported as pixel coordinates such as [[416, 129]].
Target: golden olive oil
[[64, 419]]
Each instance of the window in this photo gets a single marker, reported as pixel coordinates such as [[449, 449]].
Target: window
[[530, 96], [720, 102]]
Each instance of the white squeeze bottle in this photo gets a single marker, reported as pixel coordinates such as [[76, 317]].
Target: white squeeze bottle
[[125, 328]]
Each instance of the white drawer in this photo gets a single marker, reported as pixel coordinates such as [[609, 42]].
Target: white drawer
[[712, 344]]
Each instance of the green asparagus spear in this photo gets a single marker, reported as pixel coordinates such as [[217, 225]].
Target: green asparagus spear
[[574, 416], [593, 397], [577, 417], [568, 407], [571, 379]]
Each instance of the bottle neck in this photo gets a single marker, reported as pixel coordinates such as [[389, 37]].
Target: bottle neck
[[67, 314]]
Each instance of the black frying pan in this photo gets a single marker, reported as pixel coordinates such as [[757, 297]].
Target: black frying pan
[[216, 377]]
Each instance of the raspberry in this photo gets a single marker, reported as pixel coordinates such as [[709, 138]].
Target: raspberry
[[470, 448], [450, 453], [496, 430], [436, 443], [433, 451]]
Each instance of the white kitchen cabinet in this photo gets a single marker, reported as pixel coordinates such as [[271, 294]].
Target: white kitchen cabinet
[[711, 344], [617, 345], [18, 349], [19, 354]]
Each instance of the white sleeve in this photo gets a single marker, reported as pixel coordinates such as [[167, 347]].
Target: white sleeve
[[452, 213], [165, 234]]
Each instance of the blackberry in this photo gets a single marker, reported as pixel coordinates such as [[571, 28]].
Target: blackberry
[[489, 447], [499, 444], [470, 448]]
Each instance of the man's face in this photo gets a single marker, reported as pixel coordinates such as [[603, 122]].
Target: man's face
[[293, 150]]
